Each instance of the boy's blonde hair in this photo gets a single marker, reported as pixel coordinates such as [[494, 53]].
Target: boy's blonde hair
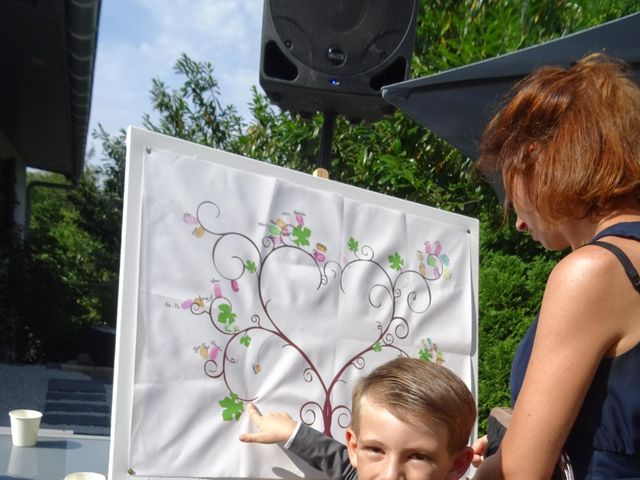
[[419, 392]]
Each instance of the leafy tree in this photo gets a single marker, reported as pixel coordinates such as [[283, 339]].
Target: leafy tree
[[66, 278], [194, 111], [113, 164], [394, 156], [63, 278], [398, 157]]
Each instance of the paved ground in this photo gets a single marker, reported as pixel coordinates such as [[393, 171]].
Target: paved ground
[[72, 397]]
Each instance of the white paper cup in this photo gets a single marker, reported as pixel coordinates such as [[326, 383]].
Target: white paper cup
[[24, 427], [85, 476]]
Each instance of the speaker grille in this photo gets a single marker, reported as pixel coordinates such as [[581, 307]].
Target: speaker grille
[[341, 38]]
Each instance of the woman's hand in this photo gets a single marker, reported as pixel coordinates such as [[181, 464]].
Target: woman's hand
[[274, 427], [479, 447]]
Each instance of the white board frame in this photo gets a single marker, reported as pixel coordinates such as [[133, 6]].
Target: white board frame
[[139, 140]]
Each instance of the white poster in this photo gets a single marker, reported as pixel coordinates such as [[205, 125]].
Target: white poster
[[251, 283]]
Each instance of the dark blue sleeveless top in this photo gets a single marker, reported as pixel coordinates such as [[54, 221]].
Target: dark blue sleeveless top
[[604, 443]]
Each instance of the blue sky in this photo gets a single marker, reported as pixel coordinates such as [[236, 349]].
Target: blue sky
[[141, 39]]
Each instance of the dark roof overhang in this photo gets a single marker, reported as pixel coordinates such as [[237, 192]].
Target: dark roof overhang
[[47, 55]]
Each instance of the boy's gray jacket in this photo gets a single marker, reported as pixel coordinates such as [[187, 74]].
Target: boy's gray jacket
[[323, 453]]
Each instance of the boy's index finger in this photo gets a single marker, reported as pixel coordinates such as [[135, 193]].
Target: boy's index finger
[[254, 413], [251, 437], [253, 410], [273, 427]]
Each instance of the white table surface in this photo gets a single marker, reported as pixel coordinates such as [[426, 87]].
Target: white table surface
[[56, 454]]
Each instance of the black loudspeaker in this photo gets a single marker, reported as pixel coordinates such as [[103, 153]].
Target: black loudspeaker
[[333, 56]]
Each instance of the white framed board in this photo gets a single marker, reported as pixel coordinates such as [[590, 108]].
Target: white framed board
[[245, 282]]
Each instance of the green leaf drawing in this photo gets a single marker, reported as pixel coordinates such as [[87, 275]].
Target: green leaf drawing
[[250, 266], [431, 262], [301, 235], [395, 261], [226, 316], [425, 355], [245, 340], [353, 244], [377, 347], [232, 408]]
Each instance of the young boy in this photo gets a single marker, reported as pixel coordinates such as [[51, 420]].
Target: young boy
[[411, 420]]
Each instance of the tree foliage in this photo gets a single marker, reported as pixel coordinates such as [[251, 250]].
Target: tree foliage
[[65, 275], [395, 156], [75, 235], [194, 111]]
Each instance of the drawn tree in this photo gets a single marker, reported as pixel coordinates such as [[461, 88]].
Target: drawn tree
[[393, 284]]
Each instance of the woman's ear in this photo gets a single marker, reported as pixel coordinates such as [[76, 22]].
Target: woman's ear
[[352, 447], [461, 462]]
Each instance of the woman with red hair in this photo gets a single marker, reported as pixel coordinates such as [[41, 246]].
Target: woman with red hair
[[567, 145]]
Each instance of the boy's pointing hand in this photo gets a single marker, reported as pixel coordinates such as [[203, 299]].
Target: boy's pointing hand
[[274, 427]]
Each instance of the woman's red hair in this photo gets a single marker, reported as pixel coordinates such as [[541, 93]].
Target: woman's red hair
[[573, 135]]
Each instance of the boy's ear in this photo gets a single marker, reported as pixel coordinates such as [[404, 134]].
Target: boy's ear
[[461, 462], [352, 447]]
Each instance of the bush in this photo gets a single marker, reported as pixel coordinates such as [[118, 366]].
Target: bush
[[510, 293]]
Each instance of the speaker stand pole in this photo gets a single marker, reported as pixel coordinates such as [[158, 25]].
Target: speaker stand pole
[[326, 140]]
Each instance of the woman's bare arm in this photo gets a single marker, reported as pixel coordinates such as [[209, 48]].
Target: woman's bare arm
[[577, 327]]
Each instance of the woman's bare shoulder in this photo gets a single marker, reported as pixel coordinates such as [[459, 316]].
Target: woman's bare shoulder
[[585, 290], [585, 268]]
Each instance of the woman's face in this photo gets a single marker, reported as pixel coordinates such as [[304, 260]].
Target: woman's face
[[528, 220]]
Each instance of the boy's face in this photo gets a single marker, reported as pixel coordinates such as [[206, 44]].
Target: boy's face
[[387, 448]]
